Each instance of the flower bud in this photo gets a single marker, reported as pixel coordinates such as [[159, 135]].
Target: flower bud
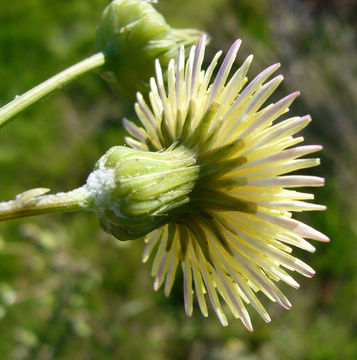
[[134, 192], [133, 34]]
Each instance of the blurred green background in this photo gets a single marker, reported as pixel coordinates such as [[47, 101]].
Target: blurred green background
[[70, 291]]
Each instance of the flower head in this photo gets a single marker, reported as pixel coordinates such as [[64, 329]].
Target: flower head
[[233, 234], [204, 179]]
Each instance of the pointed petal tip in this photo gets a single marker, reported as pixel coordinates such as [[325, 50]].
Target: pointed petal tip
[[312, 250], [313, 234], [284, 302], [222, 318], [306, 118], [286, 305], [171, 63], [201, 42], [272, 68], [139, 95], [156, 285], [203, 37], [236, 43], [158, 71], [324, 238], [232, 52], [188, 310], [250, 328], [267, 319]]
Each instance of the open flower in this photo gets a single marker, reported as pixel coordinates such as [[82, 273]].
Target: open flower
[[235, 234], [204, 180]]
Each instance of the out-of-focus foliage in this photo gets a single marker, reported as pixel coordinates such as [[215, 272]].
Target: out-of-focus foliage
[[70, 291]]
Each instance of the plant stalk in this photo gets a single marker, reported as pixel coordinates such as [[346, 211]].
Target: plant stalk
[[21, 102], [27, 205]]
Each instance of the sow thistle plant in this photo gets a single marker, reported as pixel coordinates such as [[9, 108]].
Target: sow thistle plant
[[203, 179]]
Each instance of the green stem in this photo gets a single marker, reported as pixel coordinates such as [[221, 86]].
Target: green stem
[[20, 103], [25, 205]]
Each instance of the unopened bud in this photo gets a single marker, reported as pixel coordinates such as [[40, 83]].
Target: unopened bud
[[132, 34]]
